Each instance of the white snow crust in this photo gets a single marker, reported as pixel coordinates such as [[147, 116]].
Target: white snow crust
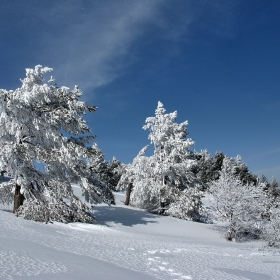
[[127, 243]]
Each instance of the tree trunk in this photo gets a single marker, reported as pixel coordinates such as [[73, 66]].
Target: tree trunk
[[128, 191], [18, 198]]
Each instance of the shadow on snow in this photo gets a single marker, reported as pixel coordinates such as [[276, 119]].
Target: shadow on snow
[[125, 216]]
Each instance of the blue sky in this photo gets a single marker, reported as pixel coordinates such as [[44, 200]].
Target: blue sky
[[216, 62]]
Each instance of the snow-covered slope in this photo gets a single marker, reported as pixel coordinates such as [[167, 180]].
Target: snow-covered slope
[[127, 243]]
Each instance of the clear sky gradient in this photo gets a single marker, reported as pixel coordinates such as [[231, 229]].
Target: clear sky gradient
[[216, 62]]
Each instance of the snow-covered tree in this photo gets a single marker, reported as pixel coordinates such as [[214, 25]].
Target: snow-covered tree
[[242, 170], [115, 171], [161, 180], [272, 228], [240, 205], [140, 173], [172, 156], [249, 207], [35, 120], [271, 213], [97, 162]]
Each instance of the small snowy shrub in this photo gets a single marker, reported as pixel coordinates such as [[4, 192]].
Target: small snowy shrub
[[186, 205]]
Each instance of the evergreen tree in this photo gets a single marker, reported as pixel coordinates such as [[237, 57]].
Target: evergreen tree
[[115, 170], [42, 160], [108, 172], [242, 170], [217, 165], [203, 169], [172, 156], [162, 180], [208, 168]]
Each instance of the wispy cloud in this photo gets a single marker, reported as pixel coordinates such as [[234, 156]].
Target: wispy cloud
[[93, 48], [91, 45]]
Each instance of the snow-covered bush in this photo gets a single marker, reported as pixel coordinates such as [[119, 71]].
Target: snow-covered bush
[[240, 205], [162, 182], [186, 205], [43, 161], [271, 213]]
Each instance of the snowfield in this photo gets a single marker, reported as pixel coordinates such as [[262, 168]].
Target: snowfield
[[126, 243]]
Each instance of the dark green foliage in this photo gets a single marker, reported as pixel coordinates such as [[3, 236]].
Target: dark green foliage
[[208, 167], [217, 165], [109, 173]]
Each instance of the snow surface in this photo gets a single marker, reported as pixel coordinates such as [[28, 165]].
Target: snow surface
[[127, 243]]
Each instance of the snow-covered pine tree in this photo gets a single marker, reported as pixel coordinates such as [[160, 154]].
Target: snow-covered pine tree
[[171, 149], [97, 162], [242, 170], [116, 168], [34, 121], [162, 180]]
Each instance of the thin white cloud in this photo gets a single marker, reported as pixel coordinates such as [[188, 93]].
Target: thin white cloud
[[91, 48], [94, 49]]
